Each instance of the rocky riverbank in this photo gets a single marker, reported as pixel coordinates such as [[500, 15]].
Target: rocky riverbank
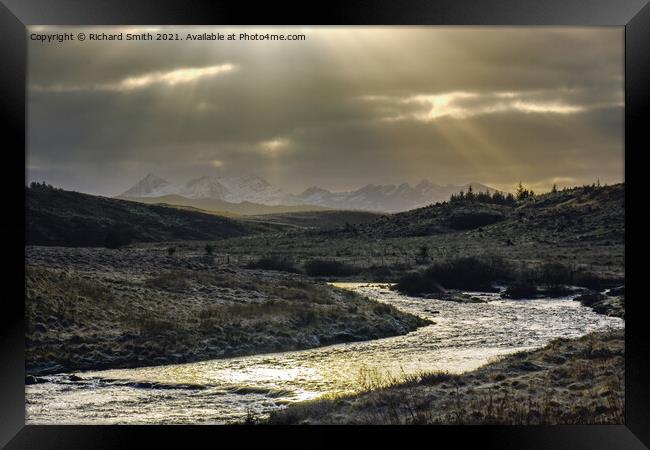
[[569, 381], [610, 302]]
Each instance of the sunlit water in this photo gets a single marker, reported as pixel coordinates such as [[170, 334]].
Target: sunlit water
[[464, 337]]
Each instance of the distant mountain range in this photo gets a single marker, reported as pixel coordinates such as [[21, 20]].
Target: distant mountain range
[[232, 189], [387, 197], [254, 190]]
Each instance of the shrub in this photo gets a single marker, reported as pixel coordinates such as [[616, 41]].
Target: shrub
[[555, 291], [320, 267], [209, 249], [469, 273], [592, 281], [554, 274], [462, 273], [171, 251], [378, 272], [589, 299], [423, 253], [521, 289], [430, 378], [418, 283], [273, 263]]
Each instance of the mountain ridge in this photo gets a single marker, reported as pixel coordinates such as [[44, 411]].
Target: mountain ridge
[[55, 217], [236, 189]]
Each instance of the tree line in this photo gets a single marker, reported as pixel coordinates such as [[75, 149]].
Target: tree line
[[495, 197], [521, 193]]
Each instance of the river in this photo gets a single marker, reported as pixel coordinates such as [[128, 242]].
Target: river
[[463, 337]]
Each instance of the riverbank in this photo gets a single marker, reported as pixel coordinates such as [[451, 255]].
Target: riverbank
[[93, 309], [569, 381], [611, 303]]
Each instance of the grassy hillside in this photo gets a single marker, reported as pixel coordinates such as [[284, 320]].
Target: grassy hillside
[[64, 218], [581, 228], [222, 207], [441, 218], [588, 212]]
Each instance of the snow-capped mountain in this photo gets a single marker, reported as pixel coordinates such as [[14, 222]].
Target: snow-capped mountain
[[250, 188], [253, 189], [149, 186], [233, 189], [387, 198], [204, 187]]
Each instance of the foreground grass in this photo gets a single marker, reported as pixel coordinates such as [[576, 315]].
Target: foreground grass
[[578, 381], [96, 319]]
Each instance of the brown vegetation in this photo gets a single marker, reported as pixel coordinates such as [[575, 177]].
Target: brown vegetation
[[569, 381], [85, 316]]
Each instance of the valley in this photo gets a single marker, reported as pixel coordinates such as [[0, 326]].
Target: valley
[[339, 225], [196, 287]]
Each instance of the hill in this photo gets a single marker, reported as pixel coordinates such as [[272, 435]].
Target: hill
[[583, 213], [64, 218], [222, 207], [581, 228], [326, 219]]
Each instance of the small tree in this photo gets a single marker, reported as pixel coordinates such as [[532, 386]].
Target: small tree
[[554, 188], [470, 193], [423, 253], [171, 251], [485, 197], [522, 192], [209, 249]]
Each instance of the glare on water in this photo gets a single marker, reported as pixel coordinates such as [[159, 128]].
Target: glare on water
[[463, 337]]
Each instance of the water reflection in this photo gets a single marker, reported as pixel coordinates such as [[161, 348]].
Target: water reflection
[[463, 337]]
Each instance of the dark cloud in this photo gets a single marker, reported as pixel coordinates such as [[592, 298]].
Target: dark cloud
[[343, 108]]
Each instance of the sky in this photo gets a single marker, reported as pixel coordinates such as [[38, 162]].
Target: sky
[[345, 107]]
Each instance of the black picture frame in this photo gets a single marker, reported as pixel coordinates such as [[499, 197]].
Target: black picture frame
[[15, 15]]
